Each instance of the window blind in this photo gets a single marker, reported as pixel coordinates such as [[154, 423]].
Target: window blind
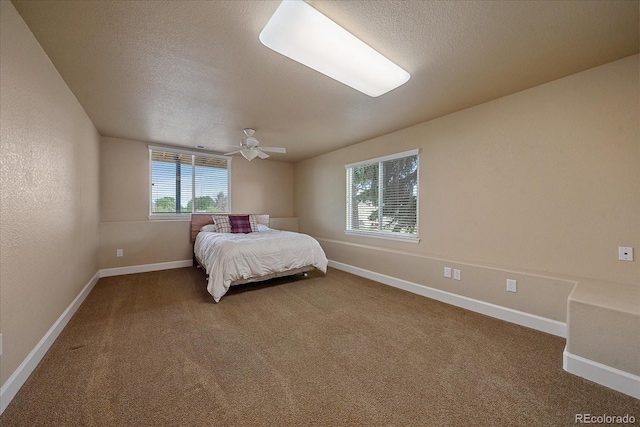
[[382, 196], [184, 182]]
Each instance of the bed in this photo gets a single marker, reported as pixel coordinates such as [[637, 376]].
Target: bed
[[249, 254]]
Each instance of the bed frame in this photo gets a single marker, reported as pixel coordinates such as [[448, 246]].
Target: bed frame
[[198, 220]]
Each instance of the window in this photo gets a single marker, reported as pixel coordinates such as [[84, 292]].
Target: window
[[382, 197], [183, 182]]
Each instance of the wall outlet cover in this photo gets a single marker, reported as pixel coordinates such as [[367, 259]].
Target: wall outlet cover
[[512, 285], [625, 253], [456, 274], [447, 272]]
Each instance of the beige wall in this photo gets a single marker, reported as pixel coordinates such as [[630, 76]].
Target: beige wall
[[543, 183], [49, 189], [604, 326], [259, 186]]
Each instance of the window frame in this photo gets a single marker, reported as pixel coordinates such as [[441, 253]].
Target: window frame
[[388, 235], [184, 215]]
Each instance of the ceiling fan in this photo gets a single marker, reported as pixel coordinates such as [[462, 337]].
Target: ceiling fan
[[250, 150]]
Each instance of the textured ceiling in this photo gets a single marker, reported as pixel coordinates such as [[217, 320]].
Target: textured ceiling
[[194, 73]]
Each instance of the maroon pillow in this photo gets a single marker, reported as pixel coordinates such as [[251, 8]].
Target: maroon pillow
[[240, 223]]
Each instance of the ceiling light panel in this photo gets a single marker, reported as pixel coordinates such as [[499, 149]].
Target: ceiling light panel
[[300, 32]]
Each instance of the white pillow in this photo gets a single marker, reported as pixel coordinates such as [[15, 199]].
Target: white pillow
[[209, 228], [262, 227]]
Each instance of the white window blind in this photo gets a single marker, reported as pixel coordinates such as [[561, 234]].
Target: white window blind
[[183, 182], [382, 197]]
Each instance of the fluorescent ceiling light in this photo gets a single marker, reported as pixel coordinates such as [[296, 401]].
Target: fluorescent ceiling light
[[300, 32]]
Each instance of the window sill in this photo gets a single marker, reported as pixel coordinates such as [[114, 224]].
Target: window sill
[[170, 217], [384, 236]]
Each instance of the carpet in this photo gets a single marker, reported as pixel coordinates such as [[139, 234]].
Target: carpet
[[153, 349]]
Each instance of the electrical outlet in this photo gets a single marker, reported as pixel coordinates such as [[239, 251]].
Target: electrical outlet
[[0, 344], [512, 285], [456, 274], [119, 252], [447, 272], [625, 253]]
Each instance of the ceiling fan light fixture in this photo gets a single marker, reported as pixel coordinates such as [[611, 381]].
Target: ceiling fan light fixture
[[249, 153], [250, 150], [302, 33]]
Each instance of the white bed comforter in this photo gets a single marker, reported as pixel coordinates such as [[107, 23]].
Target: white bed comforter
[[228, 257]]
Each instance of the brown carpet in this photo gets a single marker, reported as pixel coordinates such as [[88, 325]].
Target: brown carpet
[[153, 349]]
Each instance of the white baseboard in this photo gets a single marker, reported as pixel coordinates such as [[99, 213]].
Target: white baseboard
[[607, 376], [528, 320], [26, 368], [119, 271]]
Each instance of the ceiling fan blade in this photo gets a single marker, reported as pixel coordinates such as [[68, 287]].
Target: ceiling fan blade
[[274, 149], [231, 153], [262, 155], [218, 147]]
